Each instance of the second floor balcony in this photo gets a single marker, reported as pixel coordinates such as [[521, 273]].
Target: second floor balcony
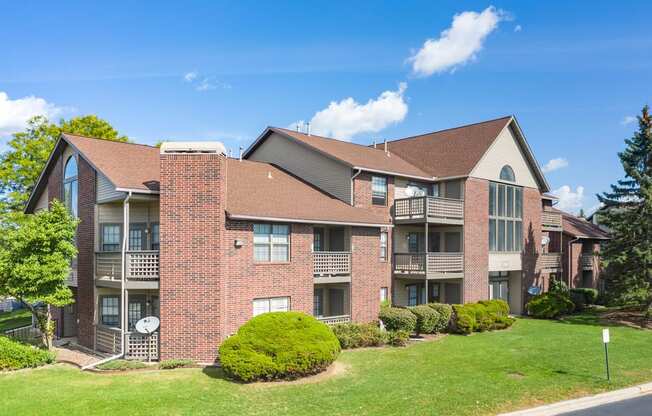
[[549, 261], [438, 265], [587, 261], [429, 209], [141, 268], [550, 221], [332, 266]]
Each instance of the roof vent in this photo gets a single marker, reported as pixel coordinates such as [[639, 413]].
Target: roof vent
[[193, 147]]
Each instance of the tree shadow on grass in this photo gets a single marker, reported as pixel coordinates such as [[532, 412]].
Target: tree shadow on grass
[[217, 373]]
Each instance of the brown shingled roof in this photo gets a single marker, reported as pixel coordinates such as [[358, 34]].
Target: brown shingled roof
[[352, 154], [126, 165], [451, 152], [258, 189], [579, 227]]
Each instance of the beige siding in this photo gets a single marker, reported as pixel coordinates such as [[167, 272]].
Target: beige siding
[[42, 201], [445, 190], [326, 174], [505, 151], [140, 212], [502, 262], [105, 189]]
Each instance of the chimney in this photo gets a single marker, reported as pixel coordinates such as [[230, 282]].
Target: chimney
[[374, 144], [240, 157], [386, 151], [308, 128]]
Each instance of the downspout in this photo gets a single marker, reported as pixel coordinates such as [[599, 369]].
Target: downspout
[[355, 175], [123, 319]]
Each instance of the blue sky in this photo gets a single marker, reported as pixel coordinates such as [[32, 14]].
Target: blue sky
[[572, 75]]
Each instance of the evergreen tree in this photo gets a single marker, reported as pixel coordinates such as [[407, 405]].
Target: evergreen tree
[[627, 213]]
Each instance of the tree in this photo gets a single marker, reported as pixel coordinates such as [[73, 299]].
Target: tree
[[35, 255], [627, 213], [28, 153]]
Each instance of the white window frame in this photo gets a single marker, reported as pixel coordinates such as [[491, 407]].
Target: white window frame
[[497, 218], [375, 195], [270, 305], [384, 250], [270, 243]]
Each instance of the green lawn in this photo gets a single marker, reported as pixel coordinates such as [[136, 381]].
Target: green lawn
[[14, 319], [532, 363]]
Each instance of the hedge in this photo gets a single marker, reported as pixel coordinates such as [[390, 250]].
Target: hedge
[[122, 365], [279, 345], [175, 363], [398, 338], [398, 319], [427, 319], [445, 312], [583, 296], [352, 335], [549, 305], [15, 355], [482, 316]]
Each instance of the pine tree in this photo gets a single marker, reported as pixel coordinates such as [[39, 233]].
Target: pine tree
[[627, 213]]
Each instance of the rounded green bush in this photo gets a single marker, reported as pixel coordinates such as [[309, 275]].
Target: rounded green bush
[[15, 355], [549, 305], [582, 297], [427, 319], [398, 338], [398, 319], [352, 335], [279, 345], [445, 312], [486, 315]]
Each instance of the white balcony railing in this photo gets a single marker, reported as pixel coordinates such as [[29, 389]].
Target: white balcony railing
[[141, 265], [430, 208], [331, 263], [433, 264]]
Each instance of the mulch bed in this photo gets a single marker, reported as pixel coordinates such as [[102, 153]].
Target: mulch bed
[[632, 318]]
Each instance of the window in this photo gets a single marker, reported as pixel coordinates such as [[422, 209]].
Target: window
[[281, 304], [137, 237], [505, 217], [110, 310], [434, 295], [435, 189], [271, 243], [384, 294], [70, 186], [507, 174], [453, 242], [415, 189], [379, 190], [318, 307], [413, 294], [454, 189], [414, 242], [156, 237], [111, 237], [136, 310], [318, 239], [383, 246]]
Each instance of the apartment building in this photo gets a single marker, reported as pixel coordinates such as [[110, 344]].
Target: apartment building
[[301, 222]]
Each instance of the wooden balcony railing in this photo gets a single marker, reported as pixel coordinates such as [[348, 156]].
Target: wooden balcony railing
[[549, 261], [429, 208], [550, 220], [331, 263], [433, 264], [107, 339], [139, 346], [586, 261], [141, 265]]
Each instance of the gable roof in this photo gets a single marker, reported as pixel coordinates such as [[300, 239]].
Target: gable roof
[[259, 190], [581, 228], [456, 152], [128, 166], [354, 155]]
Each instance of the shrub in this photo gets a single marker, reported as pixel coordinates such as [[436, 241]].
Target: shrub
[[583, 296], [445, 311], [175, 363], [398, 338], [549, 305], [122, 365], [483, 316], [353, 335], [279, 345], [427, 319], [15, 355], [558, 287], [398, 319]]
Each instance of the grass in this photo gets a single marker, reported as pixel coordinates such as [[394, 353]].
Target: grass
[[122, 365], [534, 362], [14, 319]]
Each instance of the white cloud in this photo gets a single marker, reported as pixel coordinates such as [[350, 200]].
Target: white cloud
[[568, 200], [190, 76], [15, 113], [457, 44], [210, 83], [518, 28], [554, 164], [346, 118], [628, 120]]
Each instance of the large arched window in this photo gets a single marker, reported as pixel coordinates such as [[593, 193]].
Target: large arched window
[[70, 185], [507, 174]]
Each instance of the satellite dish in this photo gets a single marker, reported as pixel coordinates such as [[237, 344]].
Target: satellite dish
[[545, 240], [534, 290], [148, 324]]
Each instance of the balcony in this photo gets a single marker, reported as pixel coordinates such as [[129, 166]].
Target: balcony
[[549, 261], [429, 209], [551, 221], [331, 266], [587, 261], [142, 268], [139, 346], [431, 265]]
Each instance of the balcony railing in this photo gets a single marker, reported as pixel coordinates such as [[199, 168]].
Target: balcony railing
[[445, 210], [550, 220], [549, 261], [587, 261], [331, 263], [432, 264], [141, 265], [333, 320], [139, 346]]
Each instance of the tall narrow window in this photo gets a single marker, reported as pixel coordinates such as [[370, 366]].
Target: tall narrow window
[[156, 237], [383, 246], [505, 217], [70, 186], [271, 242], [111, 237], [379, 190], [413, 294], [110, 310]]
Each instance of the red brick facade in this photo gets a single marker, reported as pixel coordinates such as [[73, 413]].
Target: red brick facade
[[86, 246], [531, 274], [476, 240]]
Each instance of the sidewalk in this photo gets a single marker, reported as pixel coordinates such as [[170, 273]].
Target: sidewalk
[[585, 402]]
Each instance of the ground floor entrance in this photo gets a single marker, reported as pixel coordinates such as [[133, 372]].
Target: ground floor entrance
[[507, 286], [408, 292], [332, 302]]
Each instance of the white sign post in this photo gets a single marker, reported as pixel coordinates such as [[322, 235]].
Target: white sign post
[[605, 341]]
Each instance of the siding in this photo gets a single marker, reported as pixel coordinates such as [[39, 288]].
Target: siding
[[105, 189], [328, 175]]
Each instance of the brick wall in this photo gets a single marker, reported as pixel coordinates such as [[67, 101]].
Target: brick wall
[[532, 276], [476, 240], [192, 201], [85, 245], [362, 193]]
